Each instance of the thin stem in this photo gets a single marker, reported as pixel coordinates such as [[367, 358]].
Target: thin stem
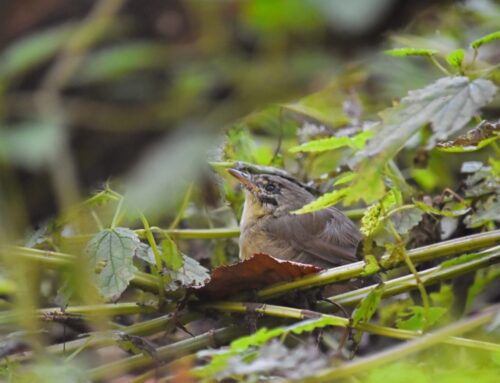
[[159, 264], [118, 213], [182, 208], [439, 66], [413, 270]]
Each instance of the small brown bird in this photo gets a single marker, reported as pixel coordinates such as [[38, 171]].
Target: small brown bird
[[325, 238]]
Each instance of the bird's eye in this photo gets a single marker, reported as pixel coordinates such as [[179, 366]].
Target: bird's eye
[[270, 188]]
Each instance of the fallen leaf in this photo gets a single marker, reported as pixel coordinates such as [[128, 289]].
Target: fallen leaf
[[254, 273]]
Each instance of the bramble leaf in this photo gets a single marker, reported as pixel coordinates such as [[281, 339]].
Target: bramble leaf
[[111, 254], [447, 105]]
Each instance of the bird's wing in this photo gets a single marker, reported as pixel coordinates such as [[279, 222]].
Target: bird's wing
[[326, 236]]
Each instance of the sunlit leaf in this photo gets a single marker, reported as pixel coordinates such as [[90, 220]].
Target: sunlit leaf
[[323, 144], [171, 255], [111, 254], [371, 266], [397, 52], [456, 58], [485, 39], [326, 200]]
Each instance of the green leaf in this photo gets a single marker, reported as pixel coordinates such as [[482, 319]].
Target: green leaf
[[31, 144], [344, 178], [221, 359], [110, 253], [368, 306], [27, 53], [171, 255], [417, 320], [115, 62], [485, 39], [324, 144], [368, 185], [398, 52], [326, 200], [456, 58], [371, 266]]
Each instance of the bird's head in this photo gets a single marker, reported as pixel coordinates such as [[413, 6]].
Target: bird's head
[[272, 194]]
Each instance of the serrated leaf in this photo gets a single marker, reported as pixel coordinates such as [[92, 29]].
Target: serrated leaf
[[485, 39], [368, 306], [368, 185], [324, 144], [447, 105], [110, 253], [398, 52], [326, 200], [171, 255], [417, 320], [190, 274], [406, 219], [456, 58]]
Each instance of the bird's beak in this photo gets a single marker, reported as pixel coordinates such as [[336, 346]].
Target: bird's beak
[[245, 179]]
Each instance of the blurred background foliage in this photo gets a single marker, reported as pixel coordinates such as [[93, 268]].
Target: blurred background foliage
[[134, 93]]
